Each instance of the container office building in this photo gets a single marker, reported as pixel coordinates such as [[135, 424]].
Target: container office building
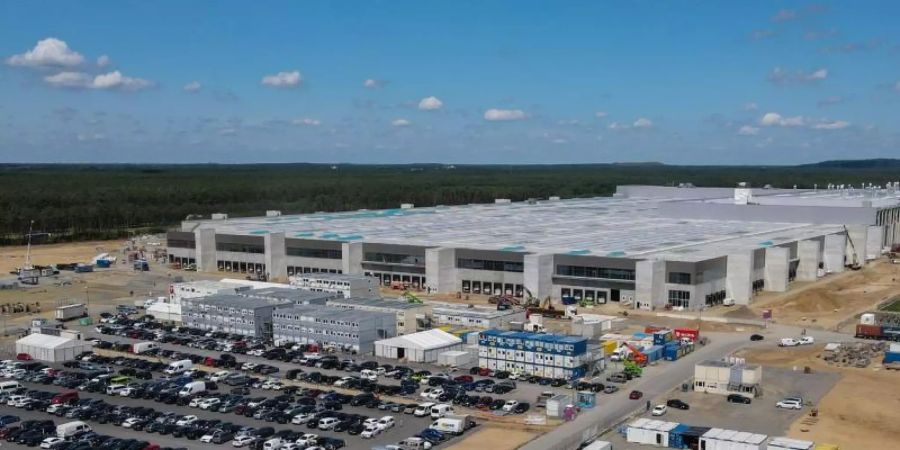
[[247, 316], [348, 285], [344, 329], [408, 314], [728, 376], [546, 355], [475, 317], [650, 247]]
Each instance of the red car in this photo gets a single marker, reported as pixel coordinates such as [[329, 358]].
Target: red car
[[24, 357], [635, 395], [484, 371], [464, 379]]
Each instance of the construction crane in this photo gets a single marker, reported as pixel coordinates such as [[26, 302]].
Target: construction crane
[[637, 356], [854, 261]]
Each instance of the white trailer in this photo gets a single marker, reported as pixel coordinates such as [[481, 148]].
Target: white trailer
[[69, 312]]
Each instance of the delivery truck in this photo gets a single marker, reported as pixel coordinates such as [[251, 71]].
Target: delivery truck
[[143, 347], [179, 367], [453, 424], [69, 312]]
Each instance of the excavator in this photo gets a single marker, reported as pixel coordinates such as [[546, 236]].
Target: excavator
[[545, 308], [411, 298], [854, 258], [637, 356]]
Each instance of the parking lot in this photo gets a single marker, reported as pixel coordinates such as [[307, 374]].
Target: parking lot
[[760, 416]]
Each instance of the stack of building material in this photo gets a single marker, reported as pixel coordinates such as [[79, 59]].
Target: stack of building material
[[783, 443]]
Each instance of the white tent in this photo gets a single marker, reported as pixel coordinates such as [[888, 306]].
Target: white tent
[[45, 347], [424, 346], [165, 312]]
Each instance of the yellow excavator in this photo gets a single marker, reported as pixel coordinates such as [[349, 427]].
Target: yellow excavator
[[411, 298], [854, 257]]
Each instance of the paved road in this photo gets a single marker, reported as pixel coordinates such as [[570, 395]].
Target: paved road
[[660, 379]]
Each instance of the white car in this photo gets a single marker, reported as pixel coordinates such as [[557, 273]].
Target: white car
[[302, 418], [344, 381], [21, 402], [328, 423], [242, 441], [270, 385], [256, 352], [435, 393], [210, 403], [51, 441], [127, 392], [370, 422], [219, 376], [307, 439], [115, 389], [386, 422], [186, 420], [195, 402], [206, 438], [807, 340], [659, 410], [52, 409], [790, 403], [370, 432], [14, 399], [249, 366], [129, 422]]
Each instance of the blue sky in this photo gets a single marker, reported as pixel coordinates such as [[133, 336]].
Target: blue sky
[[684, 82]]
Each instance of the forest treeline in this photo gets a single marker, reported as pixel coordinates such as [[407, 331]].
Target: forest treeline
[[79, 202]]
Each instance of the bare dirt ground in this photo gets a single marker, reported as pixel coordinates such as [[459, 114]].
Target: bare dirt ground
[[12, 257], [861, 412], [830, 302], [494, 438]]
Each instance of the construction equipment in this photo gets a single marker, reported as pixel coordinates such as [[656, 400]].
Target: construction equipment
[[633, 369], [637, 356], [411, 298], [854, 257]]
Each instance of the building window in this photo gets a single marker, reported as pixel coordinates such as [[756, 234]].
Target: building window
[[239, 248], [314, 253], [394, 258], [485, 264], [595, 272], [679, 298], [180, 243], [679, 278]]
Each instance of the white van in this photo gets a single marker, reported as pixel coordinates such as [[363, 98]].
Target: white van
[[788, 342], [178, 367], [10, 387], [423, 410], [449, 425], [70, 429], [369, 375], [194, 387], [441, 410], [273, 444]]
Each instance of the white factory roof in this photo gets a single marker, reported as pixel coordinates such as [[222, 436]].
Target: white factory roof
[[48, 341], [601, 226], [423, 340]]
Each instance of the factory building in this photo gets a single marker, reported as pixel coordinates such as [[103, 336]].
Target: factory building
[[408, 314], [230, 313], [546, 355], [333, 327], [728, 376], [347, 285], [462, 316], [649, 247]]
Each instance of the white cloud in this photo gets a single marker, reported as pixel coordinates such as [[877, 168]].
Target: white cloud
[[228, 131], [775, 119], [430, 104], [103, 61], [47, 52], [283, 79], [497, 115], [88, 137], [401, 123], [306, 121], [831, 125], [600, 114], [193, 86], [107, 81], [748, 130], [560, 141], [618, 126], [372, 83], [643, 123], [780, 75]]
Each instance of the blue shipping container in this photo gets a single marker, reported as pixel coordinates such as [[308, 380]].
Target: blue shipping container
[[654, 353], [103, 263], [890, 357], [676, 438], [670, 353]]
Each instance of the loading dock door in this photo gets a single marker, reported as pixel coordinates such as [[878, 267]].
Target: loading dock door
[[401, 353]]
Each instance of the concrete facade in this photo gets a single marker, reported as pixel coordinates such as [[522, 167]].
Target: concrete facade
[[539, 274], [352, 257], [649, 286], [275, 258], [440, 269], [776, 269], [810, 255], [739, 279], [835, 253]]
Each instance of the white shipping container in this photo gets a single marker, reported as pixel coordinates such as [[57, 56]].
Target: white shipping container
[[492, 352], [529, 357], [559, 372], [548, 371], [501, 364], [492, 364], [482, 362], [520, 355], [482, 351], [783, 443]]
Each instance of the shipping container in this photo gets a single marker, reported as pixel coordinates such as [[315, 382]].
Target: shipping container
[[868, 331], [609, 347], [662, 337], [783, 443], [689, 333], [891, 357], [826, 447], [654, 353]]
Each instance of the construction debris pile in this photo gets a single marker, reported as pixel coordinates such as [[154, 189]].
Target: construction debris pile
[[854, 354]]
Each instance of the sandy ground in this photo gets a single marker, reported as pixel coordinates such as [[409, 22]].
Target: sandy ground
[[833, 301], [494, 438], [12, 257], [861, 412]]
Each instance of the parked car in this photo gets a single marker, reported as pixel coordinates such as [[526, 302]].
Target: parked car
[[790, 403], [737, 398], [756, 337], [677, 404], [635, 395], [659, 410]]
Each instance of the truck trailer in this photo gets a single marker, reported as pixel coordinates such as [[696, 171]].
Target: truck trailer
[[69, 312]]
